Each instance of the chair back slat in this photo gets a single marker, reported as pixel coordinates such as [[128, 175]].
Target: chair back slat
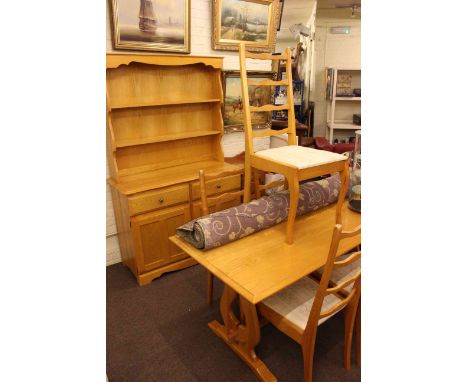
[[338, 306], [268, 133], [248, 109], [269, 107], [343, 285], [266, 82], [350, 259]]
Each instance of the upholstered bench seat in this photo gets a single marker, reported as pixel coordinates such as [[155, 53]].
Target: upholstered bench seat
[[295, 302], [299, 156]]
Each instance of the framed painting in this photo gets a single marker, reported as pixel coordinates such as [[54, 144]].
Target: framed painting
[[253, 22], [280, 15], [155, 25], [233, 115]]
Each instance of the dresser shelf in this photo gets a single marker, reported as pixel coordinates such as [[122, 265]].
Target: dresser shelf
[[164, 138], [130, 104]]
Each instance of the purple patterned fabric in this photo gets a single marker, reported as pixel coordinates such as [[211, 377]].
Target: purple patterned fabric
[[234, 223]]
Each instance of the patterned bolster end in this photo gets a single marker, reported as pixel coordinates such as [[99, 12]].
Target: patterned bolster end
[[237, 222]]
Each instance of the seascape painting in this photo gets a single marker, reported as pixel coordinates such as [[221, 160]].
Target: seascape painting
[[250, 21], [158, 25], [233, 113]]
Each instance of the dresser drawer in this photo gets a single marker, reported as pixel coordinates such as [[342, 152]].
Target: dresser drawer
[[154, 199], [217, 186]]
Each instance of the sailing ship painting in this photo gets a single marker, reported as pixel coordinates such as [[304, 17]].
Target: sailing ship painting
[[160, 25]]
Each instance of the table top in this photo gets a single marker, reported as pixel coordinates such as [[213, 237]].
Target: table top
[[261, 264]]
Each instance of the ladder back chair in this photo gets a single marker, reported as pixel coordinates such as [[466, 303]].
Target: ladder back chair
[[295, 162], [299, 309], [337, 277], [217, 202]]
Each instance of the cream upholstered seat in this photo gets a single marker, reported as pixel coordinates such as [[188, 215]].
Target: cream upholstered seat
[[299, 156], [295, 302]]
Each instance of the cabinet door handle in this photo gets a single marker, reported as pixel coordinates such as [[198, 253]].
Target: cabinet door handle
[[218, 186], [161, 200]]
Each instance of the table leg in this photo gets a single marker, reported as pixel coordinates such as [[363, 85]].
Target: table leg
[[344, 179], [241, 337]]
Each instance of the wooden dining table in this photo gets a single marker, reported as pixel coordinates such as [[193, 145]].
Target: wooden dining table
[[260, 265]]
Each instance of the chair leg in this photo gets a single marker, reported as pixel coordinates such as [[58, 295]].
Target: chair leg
[[256, 176], [209, 296], [247, 180], [358, 334], [350, 316], [293, 183], [308, 349]]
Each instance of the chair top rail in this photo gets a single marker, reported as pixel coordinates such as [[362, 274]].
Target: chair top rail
[[266, 56]]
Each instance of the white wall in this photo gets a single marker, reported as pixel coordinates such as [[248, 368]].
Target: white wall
[[333, 50]]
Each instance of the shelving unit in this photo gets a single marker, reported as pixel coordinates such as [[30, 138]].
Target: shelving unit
[[335, 102], [164, 124]]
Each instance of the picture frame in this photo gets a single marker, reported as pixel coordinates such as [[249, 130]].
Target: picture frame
[[151, 26], [233, 116], [280, 15], [253, 22]]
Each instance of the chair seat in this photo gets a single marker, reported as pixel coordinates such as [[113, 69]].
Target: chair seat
[[295, 302], [343, 274], [299, 156]]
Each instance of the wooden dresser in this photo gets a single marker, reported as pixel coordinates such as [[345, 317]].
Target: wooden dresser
[[164, 124]]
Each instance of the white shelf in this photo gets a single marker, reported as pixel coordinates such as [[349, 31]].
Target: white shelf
[[344, 126], [347, 98]]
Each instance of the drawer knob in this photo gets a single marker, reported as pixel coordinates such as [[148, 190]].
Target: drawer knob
[[218, 186], [161, 200]]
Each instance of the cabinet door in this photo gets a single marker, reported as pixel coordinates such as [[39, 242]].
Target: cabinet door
[[151, 233]]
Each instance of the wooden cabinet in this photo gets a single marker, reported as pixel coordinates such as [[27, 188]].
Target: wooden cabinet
[[164, 124]]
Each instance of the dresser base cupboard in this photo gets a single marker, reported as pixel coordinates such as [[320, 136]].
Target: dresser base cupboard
[[160, 133]]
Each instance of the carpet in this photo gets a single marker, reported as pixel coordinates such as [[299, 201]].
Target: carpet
[[159, 332]]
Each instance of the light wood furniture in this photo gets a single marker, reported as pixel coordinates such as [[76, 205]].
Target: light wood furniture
[[335, 101], [225, 200], [299, 309], [164, 124], [262, 264], [217, 203], [295, 162], [339, 276]]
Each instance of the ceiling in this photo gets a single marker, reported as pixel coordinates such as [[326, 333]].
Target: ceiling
[[296, 11], [329, 4]]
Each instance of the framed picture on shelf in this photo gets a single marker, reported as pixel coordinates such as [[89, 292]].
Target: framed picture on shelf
[[253, 22], [233, 106], [159, 26]]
